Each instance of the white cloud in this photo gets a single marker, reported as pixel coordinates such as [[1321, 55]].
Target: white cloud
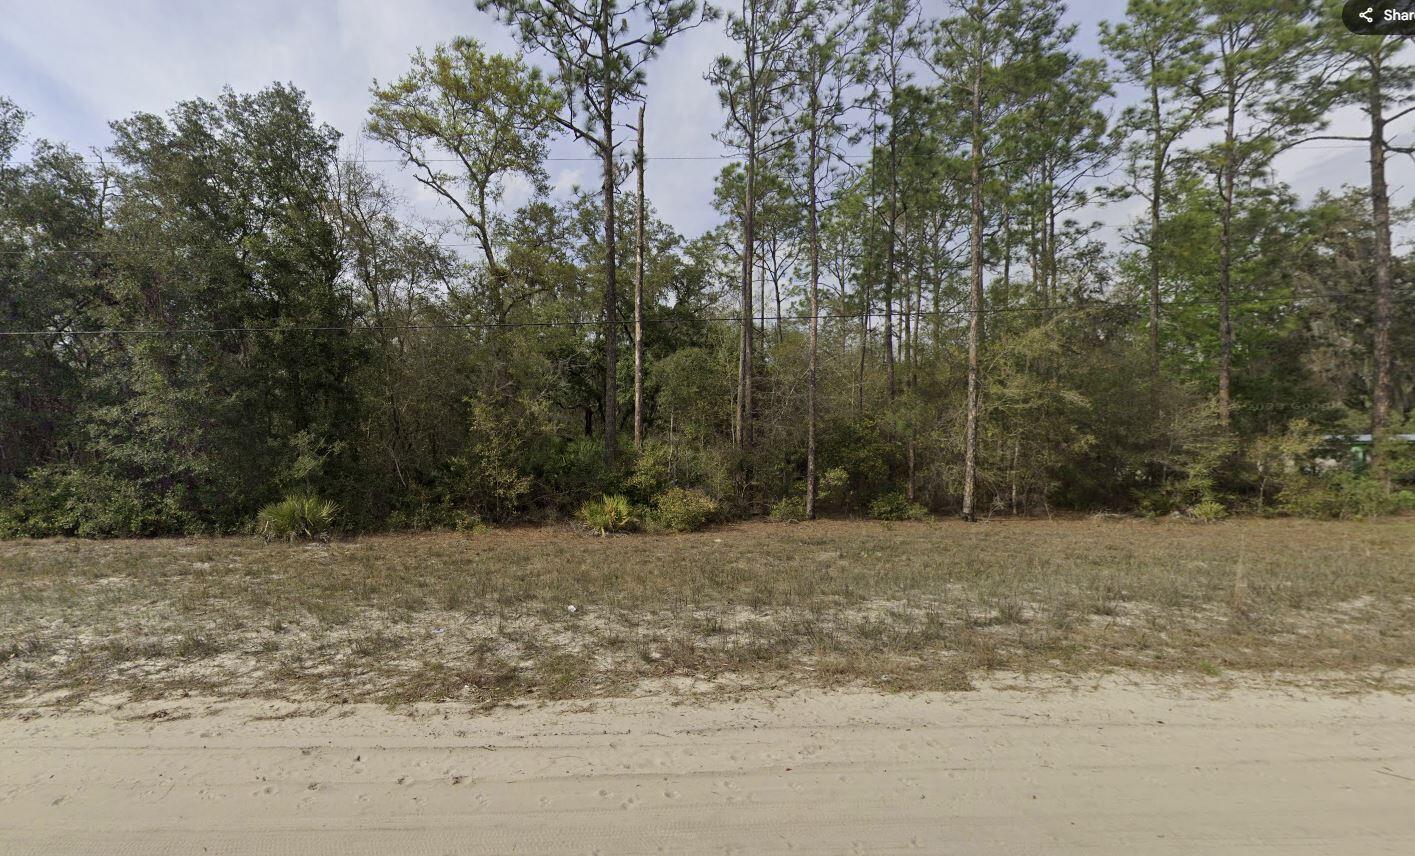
[[566, 180]]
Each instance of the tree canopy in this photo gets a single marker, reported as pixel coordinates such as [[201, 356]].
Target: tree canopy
[[909, 305]]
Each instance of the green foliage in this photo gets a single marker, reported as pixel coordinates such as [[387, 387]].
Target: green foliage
[[789, 509], [1395, 460], [489, 113], [896, 506], [608, 514], [1208, 510], [832, 486], [655, 469], [310, 461], [310, 338], [486, 480], [1343, 495], [218, 216], [50, 219], [423, 516], [574, 471], [860, 450], [694, 390], [1280, 458], [684, 509], [1199, 454], [664, 464], [60, 501], [297, 516]]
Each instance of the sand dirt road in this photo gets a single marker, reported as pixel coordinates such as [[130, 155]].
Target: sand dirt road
[[1120, 768]]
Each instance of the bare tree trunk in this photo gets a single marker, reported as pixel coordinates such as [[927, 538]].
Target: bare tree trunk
[[1156, 188], [749, 239], [813, 224], [611, 297], [1036, 240], [1003, 297], [1053, 281], [761, 299], [909, 483], [906, 308], [889, 272], [1380, 215], [911, 345], [975, 310], [919, 272], [864, 346], [1227, 180], [639, 298], [935, 294], [776, 289]]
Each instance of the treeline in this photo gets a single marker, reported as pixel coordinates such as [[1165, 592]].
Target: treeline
[[906, 308]]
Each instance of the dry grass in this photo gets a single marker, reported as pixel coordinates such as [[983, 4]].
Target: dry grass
[[906, 605]]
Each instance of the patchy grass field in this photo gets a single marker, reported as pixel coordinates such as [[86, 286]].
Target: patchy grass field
[[489, 617]]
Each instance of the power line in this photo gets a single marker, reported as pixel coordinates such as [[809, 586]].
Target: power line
[[144, 250], [628, 159], [623, 159], [575, 324]]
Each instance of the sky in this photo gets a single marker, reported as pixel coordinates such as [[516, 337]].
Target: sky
[[78, 64]]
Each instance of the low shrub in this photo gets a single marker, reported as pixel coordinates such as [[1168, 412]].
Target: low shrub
[[434, 517], [833, 487], [1343, 496], [296, 516], [653, 469], [897, 506], [59, 501], [790, 509], [1208, 510], [608, 514], [663, 464], [684, 509], [574, 472]]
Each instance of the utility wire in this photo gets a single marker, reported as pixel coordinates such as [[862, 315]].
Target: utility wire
[[629, 159], [519, 325], [149, 251], [624, 159]]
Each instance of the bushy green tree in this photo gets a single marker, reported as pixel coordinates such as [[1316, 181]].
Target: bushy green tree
[[223, 275]]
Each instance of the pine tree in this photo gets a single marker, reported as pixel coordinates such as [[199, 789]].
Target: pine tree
[[600, 49], [754, 88], [1261, 88], [991, 58], [1158, 47], [1372, 77]]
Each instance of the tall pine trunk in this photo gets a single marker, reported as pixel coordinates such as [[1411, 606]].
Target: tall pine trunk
[[1227, 180], [975, 308], [1380, 215], [611, 296], [1156, 188], [864, 346], [749, 240], [813, 225], [889, 272], [639, 298]]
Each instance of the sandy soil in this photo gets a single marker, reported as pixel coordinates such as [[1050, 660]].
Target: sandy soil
[[1121, 767]]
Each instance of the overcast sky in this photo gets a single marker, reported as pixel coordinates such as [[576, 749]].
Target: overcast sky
[[77, 64]]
